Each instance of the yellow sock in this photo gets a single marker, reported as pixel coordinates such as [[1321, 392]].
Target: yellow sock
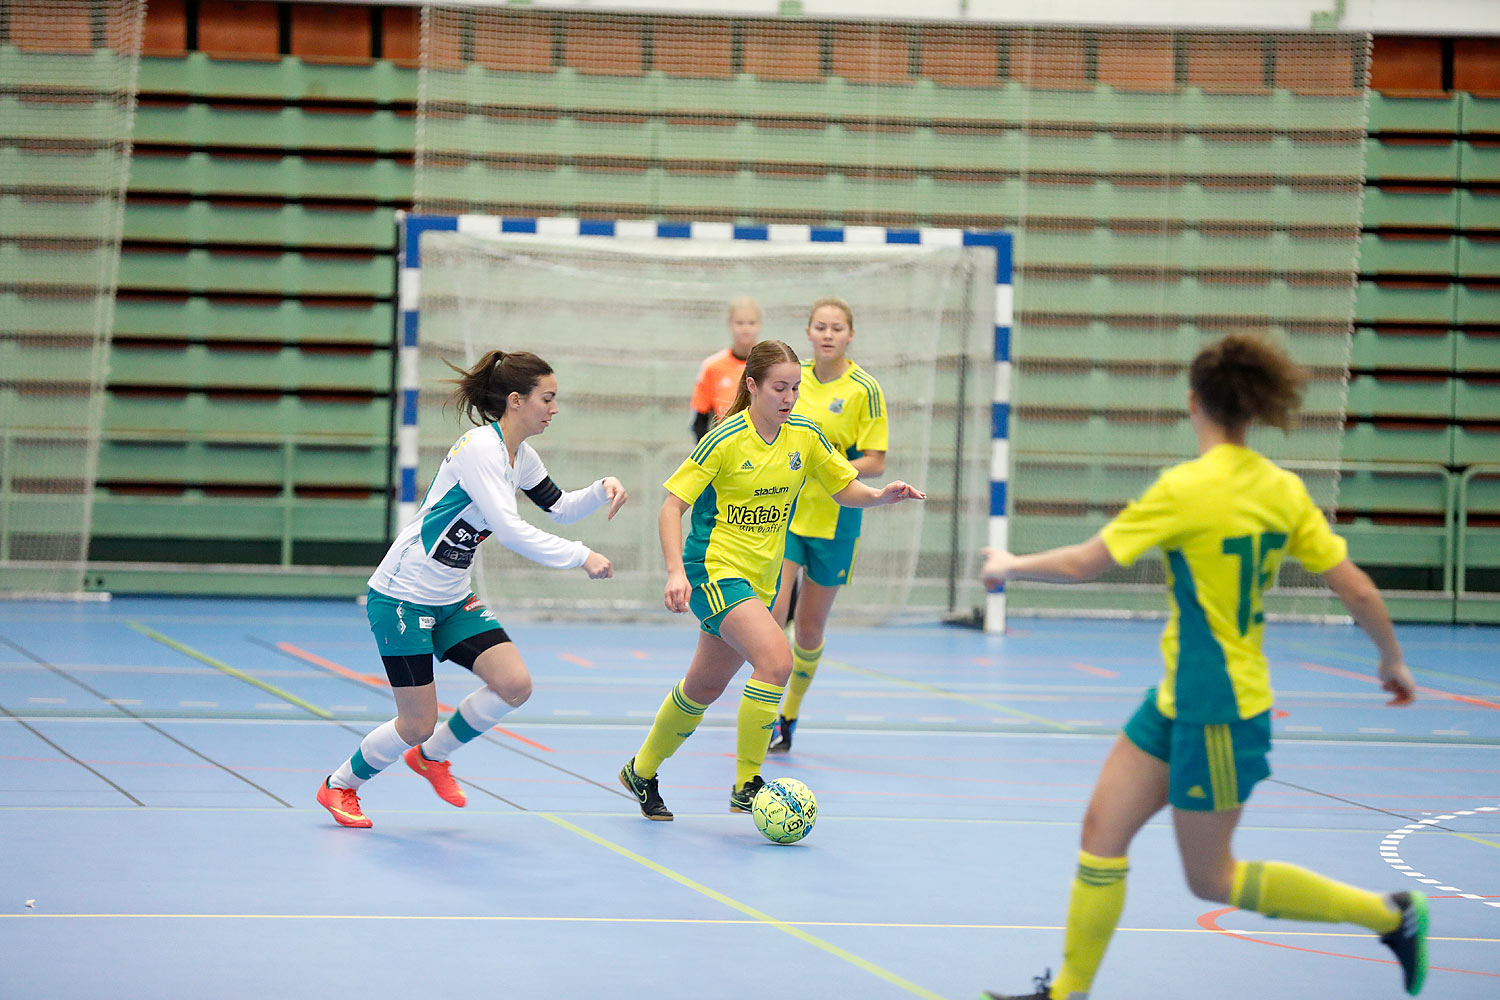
[[1277, 889], [804, 666], [675, 721], [757, 716], [1093, 911]]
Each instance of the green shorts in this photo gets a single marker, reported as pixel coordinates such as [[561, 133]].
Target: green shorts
[[712, 600], [405, 628], [829, 562], [1211, 767]]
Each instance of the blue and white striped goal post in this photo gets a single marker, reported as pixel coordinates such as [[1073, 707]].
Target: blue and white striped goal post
[[411, 226]]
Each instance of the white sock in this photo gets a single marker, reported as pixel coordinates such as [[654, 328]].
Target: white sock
[[377, 751], [476, 715]]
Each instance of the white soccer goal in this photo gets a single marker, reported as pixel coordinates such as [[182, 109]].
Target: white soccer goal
[[626, 312]]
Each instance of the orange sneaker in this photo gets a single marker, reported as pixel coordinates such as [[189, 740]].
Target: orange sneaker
[[436, 771], [344, 804]]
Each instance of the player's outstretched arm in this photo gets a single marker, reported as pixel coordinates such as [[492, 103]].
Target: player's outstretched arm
[[1066, 564], [1360, 595], [857, 494]]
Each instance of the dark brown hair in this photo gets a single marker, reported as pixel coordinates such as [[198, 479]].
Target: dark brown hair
[[762, 356], [1244, 377], [483, 390]]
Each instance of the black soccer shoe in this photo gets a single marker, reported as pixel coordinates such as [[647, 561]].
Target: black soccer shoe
[[781, 740], [1409, 939], [1043, 990], [645, 792], [741, 798]]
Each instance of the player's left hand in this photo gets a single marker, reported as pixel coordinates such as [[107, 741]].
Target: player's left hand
[[997, 568], [615, 490], [1396, 679], [899, 491]]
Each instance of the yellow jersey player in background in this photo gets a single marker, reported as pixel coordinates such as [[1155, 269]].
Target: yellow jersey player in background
[[1199, 741], [740, 484], [847, 405]]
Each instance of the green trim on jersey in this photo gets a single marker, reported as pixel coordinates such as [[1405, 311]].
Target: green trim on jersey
[[441, 513], [700, 534], [1202, 670]]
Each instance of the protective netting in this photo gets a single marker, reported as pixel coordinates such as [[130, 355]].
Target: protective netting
[[67, 100], [1164, 187], [626, 324]]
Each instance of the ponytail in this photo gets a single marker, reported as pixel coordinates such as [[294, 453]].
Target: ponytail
[[482, 392]]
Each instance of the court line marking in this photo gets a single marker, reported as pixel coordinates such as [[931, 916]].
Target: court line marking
[[934, 689], [1371, 661], [1340, 672], [1390, 849], [127, 713], [749, 911], [383, 684], [705, 921], [1210, 921], [238, 675]]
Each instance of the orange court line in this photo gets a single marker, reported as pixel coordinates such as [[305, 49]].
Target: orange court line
[[1210, 921], [1466, 699], [575, 659], [380, 682], [1096, 671]]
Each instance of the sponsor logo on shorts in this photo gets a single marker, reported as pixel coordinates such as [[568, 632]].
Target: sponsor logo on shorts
[[473, 602], [426, 622]]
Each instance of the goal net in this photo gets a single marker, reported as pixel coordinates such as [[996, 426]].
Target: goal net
[[626, 324], [1164, 187], [67, 100]]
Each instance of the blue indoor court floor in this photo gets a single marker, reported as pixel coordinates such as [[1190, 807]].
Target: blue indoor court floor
[[159, 836]]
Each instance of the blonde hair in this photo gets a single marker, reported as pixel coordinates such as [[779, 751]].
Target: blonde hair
[[762, 356], [831, 300], [744, 302]]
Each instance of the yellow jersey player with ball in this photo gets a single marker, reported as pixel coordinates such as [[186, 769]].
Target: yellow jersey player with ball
[[740, 484]]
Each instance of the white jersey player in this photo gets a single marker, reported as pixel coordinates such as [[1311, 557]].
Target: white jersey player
[[420, 600]]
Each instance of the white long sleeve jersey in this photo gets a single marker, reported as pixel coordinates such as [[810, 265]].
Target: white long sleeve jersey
[[472, 497]]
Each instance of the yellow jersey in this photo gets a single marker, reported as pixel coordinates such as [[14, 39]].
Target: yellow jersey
[[1224, 522], [850, 411], [741, 488]]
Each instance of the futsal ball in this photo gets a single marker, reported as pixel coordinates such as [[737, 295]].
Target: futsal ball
[[784, 810]]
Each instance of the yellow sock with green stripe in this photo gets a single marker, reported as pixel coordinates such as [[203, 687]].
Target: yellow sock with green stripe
[[804, 667], [1277, 889], [675, 721], [757, 716], [1093, 911]]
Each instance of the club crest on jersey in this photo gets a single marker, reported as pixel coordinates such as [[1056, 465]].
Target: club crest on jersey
[[837, 406], [794, 461]]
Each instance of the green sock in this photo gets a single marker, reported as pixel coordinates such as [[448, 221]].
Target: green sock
[[757, 717], [1093, 911], [675, 721], [804, 667], [1277, 889]]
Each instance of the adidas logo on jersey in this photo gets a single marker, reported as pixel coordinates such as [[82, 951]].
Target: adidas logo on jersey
[[747, 465]]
